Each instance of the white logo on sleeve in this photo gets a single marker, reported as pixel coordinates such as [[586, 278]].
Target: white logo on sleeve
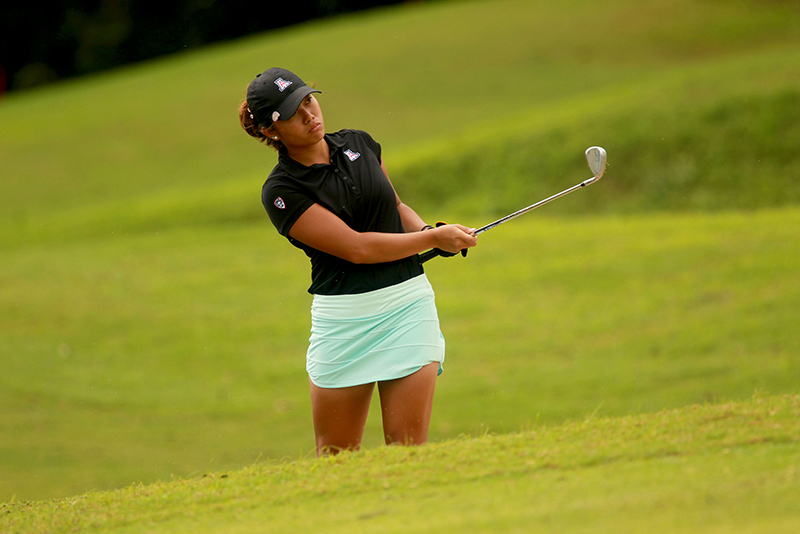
[[279, 203], [352, 155], [282, 84]]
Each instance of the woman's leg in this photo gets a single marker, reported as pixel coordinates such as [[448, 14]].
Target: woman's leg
[[406, 405], [339, 416]]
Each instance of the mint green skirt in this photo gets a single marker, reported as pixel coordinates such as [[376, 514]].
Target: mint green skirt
[[370, 337]]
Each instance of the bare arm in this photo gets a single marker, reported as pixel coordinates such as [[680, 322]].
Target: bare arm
[[320, 229]]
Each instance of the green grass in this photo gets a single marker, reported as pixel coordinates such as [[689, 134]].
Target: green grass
[[180, 352], [731, 467], [159, 143], [153, 324]]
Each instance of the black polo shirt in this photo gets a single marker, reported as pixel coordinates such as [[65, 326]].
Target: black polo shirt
[[354, 188]]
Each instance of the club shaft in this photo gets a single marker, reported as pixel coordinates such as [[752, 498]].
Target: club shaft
[[533, 206], [425, 256]]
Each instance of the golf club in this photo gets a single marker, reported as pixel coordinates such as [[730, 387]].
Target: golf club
[[595, 157]]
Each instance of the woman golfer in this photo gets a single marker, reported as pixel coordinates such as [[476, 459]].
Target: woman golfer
[[373, 317]]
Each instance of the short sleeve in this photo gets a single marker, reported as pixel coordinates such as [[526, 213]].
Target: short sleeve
[[372, 144], [285, 203]]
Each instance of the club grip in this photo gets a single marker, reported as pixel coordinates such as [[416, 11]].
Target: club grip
[[425, 256]]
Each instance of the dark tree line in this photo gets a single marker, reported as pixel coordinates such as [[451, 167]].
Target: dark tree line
[[43, 41]]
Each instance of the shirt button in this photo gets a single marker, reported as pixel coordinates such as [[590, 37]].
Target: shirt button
[[353, 187], [344, 178]]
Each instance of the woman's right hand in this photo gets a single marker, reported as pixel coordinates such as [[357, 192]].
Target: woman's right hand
[[453, 238]]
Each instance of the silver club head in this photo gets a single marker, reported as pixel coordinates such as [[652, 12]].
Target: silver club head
[[596, 158]]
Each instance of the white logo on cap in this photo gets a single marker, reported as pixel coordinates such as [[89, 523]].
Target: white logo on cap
[[352, 155], [282, 84], [279, 203], [275, 116]]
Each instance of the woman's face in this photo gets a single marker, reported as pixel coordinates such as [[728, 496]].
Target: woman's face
[[305, 128]]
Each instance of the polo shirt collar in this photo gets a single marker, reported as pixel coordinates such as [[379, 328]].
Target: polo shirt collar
[[335, 144]]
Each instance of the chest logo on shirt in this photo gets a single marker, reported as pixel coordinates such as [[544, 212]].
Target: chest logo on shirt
[[282, 84], [352, 155], [279, 203]]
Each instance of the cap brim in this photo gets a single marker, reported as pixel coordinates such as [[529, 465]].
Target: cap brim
[[289, 106]]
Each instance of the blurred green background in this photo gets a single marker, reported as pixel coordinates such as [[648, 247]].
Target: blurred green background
[[153, 324]]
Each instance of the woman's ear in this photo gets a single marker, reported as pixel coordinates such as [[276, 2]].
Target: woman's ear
[[269, 132]]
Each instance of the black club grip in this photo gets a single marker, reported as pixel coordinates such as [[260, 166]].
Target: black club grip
[[429, 255]]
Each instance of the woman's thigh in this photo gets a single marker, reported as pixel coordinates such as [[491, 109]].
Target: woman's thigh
[[339, 416], [406, 405]]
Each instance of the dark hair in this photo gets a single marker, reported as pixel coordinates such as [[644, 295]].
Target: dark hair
[[253, 129]]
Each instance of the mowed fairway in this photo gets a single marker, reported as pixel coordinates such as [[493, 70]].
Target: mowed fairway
[[140, 357], [153, 324]]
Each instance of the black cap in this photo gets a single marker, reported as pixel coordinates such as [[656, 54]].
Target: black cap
[[276, 94]]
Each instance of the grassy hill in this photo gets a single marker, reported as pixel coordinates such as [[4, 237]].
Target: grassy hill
[[153, 324], [729, 467], [691, 98]]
